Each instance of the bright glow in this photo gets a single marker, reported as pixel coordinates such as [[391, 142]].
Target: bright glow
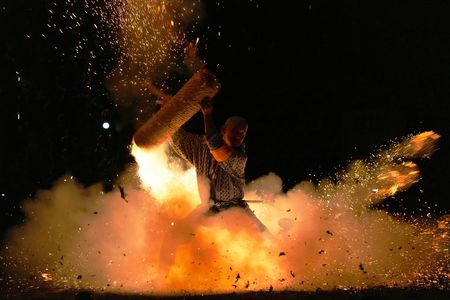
[[163, 181], [105, 125]]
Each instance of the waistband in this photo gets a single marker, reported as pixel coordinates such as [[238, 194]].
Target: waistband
[[219, 206]]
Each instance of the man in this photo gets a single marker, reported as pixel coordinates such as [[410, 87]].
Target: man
[[218, 156]]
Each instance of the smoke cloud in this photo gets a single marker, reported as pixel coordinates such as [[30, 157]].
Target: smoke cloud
[[151, 236]]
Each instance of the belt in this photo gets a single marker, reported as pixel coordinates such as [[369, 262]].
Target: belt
[[219, 206]]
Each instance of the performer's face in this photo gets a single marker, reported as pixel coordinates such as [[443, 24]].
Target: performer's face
[[233, 135]]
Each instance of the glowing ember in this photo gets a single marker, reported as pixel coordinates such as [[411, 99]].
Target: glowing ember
[[46, 276]]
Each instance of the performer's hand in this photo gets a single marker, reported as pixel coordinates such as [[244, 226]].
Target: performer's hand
[[191, 51], [192, 56], [207, 106]]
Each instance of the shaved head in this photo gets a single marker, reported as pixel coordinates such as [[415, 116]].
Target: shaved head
[[234, 131], [236, 121]]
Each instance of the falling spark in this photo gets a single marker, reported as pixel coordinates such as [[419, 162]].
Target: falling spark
[[146, 38]]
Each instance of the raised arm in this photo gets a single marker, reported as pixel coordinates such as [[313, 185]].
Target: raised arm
[[192, 58], [219, 150], [208, 121]]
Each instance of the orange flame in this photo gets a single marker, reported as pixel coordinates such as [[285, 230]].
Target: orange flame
[[47, 276], [162, 179], [393, 181]]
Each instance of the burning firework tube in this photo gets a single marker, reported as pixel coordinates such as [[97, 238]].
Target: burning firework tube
[[178, 109]]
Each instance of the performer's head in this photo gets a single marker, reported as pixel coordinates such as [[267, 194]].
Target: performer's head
[[234, 131]]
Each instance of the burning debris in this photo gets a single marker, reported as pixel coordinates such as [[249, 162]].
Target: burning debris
[[46, 276], [122, 194], [361, 267]]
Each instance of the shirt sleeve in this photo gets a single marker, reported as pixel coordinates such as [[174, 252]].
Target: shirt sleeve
[[219, 150], [214, 140], [233, 162]]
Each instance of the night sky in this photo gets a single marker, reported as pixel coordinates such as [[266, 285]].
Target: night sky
[[320, 82]]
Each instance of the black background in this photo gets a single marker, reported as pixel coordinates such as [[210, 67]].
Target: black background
[[320, 82]]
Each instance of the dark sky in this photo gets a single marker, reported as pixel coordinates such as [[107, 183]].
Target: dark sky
[[320, 82]]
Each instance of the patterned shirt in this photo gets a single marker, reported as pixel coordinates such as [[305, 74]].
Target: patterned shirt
[[227, 178]]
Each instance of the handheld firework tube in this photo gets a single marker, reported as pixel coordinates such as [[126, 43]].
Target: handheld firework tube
[[177, 111]]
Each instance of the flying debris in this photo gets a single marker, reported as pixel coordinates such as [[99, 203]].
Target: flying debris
[[361, 267], [122, 193]]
